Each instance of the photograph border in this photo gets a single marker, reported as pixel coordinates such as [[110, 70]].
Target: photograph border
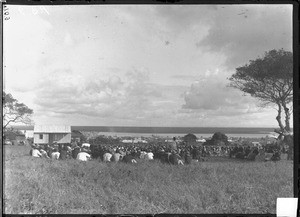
[[296, 88]]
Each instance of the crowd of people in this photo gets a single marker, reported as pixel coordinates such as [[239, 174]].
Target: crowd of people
[[130, 152]]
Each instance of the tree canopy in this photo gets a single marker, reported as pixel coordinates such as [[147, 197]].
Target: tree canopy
[[269, 79], [218, 136], [190, 138], [14, 111]]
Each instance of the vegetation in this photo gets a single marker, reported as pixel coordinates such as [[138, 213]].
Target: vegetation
[[218, 139], [14, 111], [269, 79], [104, 140], [190, 138], [45, 186]]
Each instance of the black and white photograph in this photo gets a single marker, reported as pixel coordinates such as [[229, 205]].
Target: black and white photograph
[[147, 108]]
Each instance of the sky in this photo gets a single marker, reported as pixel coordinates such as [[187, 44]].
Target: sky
[[140, 65]]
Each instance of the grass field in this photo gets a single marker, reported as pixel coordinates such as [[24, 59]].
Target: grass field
[[44, 186]]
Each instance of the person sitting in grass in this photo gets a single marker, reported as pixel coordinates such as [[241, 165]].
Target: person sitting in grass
[[188, 158], [55, 154], [75, 152], [44, 153], [276, 155], [83, 156], [36, 153]]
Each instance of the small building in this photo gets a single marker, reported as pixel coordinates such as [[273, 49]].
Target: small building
[[28, 133], [48, 134]]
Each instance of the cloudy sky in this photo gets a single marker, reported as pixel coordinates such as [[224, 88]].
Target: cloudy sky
[[130, 65]]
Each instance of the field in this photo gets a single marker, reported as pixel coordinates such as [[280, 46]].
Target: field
[[44, 186]]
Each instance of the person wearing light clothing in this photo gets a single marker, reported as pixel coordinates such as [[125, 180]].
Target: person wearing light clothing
[[55, 154], [44, 153], [36, 153], [83, 156]]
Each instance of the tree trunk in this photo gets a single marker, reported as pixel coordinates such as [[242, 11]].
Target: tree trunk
[[278, 118], [287, 117]]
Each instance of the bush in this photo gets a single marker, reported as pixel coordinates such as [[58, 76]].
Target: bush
[[218, 139]]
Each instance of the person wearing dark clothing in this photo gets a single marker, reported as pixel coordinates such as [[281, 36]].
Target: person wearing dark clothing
[[276, 156], [173, 145], [63, 154], [255, 151], [234, 151], [75, 152], [247, 151], [188, 158], [128, 159], [174, 159], [195, 153]]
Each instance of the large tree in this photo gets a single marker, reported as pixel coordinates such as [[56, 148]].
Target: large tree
[[14, 111], [269, 79]]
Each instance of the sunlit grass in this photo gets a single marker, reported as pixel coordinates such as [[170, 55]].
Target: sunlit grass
[[46, 186]]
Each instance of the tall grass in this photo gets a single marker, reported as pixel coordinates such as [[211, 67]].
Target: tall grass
[[45, 186]]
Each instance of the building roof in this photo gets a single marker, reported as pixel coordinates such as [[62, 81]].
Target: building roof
[[52, 129]]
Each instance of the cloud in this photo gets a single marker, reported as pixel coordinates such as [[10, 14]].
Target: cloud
[[24, 40], [181, 17], [245, 32], [64, 92], [110, 64], [211, 96]]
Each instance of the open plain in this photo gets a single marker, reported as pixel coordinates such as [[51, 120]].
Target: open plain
[[45, 186]]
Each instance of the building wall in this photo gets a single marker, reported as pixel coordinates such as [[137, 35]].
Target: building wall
[[60, 137], [29, 134], [49, 138], [66, 138], [37, 140]]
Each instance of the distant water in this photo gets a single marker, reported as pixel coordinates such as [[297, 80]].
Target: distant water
[[171, 131], [177, 131]]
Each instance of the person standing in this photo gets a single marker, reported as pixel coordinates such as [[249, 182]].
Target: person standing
[[173, 146]]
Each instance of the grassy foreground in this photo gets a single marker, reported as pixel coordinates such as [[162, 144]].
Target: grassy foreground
[[44, 186]]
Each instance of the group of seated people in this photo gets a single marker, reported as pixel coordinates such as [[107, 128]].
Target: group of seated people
[[61, 151], [85, 151]]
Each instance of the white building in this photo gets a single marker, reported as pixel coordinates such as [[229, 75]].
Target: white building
[[48, 134]]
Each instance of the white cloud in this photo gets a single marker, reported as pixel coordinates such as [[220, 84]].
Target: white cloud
[[212, 96], [134, 65]]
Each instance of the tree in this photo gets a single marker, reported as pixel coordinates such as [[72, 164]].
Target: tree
[[190, 138], [219, 139], [218, 136], [269, 79], [14, 111]]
